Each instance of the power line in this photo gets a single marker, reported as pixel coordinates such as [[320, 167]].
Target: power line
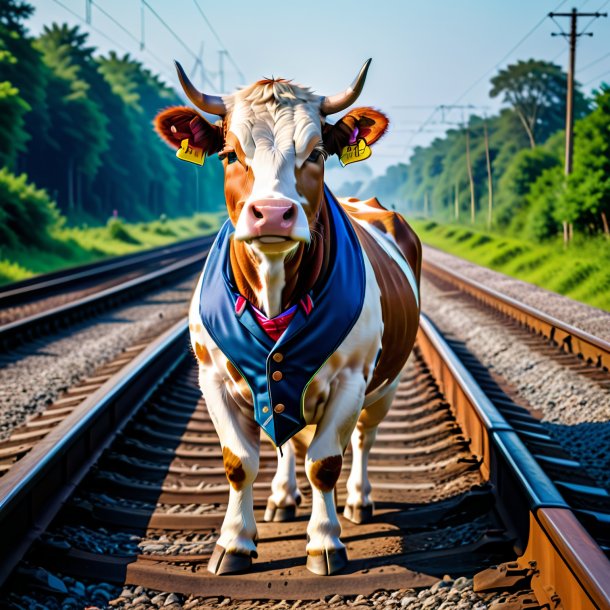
[[161, 64], [96, 30], [487, 72], [218, 39], [595, 78], [595, 61], [170, 30], [507, 55], [573, 36]]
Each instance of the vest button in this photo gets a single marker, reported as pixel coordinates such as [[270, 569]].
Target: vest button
[[277, 376], [279, 408], [278, 357], [265, 409]]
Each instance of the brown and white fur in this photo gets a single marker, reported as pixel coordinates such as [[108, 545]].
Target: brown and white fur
[[273, 141]]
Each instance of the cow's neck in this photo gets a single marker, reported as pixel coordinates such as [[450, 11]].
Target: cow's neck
[[273, 284]]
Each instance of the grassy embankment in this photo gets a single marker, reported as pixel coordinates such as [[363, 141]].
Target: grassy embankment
[[67, 247], [582, 272]]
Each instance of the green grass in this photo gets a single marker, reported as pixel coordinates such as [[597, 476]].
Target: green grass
[[581, 272], [68, 247]]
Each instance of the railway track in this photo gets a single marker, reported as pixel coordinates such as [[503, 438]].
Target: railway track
[[588, 348], [43, 305], [131, 489]]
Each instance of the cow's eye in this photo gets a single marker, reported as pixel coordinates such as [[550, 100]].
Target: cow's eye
[[231, 157], [315, 155]]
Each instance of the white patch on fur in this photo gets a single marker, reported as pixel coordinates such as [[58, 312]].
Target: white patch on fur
[[277, 124], [273, 278]]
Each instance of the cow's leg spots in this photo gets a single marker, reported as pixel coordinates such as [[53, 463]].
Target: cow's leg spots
[[359, 505], [203, 355], [240, 439], [324, 473], [285, 495], [326, 553], [233, 468]]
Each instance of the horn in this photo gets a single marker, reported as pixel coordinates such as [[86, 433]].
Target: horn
[[336, 103], [208, 103]]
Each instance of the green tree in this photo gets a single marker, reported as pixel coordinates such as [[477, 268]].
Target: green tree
[[78, 131], [536, 90], [515, 183], [586, 201], [12, 110], [544, 193]]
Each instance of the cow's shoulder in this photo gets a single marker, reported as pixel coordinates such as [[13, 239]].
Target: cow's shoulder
[[388, 222]]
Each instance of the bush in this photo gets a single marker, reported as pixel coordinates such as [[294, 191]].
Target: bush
[[202, 223], [118, 231], [27, 214]]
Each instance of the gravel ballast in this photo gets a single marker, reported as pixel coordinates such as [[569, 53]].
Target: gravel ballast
[[590, 319], [575, 410], [29, 384]]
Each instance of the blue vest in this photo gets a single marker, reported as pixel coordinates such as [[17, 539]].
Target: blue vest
[[307, 343]]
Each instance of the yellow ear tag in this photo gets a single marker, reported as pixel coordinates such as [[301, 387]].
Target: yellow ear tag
[[355, 152], [189, 153]]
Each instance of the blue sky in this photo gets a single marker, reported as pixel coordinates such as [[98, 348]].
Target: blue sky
[[424, 53]]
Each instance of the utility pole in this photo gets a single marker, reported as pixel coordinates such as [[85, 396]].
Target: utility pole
[[457, 200], [464, 125], [572, 36], [221, 69], [470, 178], [142, 7], [489, 181], [88, 11]]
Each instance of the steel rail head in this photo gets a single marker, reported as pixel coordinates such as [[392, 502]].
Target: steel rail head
[[567, 559], [34, 489], [11, 332], [578, 340], [39, 286]]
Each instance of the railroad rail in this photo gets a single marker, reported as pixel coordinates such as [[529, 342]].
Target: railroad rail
[[456, 492], [573, 340], [187, 259], [41, 286]]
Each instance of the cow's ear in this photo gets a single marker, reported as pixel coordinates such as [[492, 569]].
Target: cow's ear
[[179, 122], [366, 123]]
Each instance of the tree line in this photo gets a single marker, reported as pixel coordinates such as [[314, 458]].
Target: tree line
[[513, 162], [79, 125]]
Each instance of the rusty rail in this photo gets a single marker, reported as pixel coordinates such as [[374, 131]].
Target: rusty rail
[[569, 338], [22, 330], [570, 565], [34, 490]]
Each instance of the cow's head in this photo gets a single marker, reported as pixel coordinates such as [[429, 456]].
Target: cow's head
[[273, 140]]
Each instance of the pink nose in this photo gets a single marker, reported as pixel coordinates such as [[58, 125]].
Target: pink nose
[[271, 217]]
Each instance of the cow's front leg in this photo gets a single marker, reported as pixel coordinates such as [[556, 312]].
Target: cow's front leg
[[359, 505], [240, 440], [285, 495], [326, 553]]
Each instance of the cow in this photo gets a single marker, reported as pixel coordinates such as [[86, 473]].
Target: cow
[[306, 310]]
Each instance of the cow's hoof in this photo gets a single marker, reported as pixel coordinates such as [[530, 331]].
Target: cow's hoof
[[358, 514], [222, 562], [276, 513], [327, 562]]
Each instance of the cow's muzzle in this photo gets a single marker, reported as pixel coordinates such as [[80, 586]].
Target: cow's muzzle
[[272, 220]]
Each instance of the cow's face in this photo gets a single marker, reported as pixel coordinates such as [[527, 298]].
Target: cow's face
[[273, 141]]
